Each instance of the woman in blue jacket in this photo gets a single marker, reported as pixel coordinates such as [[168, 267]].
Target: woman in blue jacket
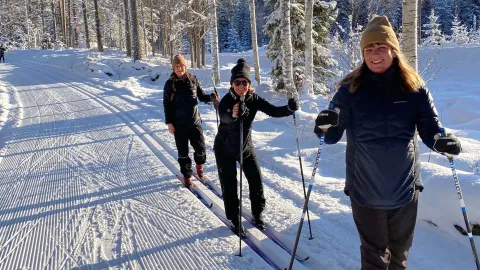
[[379, 105]]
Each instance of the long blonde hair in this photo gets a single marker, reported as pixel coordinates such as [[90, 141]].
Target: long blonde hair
[[174, 78], [410, 80]]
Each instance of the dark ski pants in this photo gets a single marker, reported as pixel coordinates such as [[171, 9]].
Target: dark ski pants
[[194, 134], [386, 235], [2, 57], [227, 172]]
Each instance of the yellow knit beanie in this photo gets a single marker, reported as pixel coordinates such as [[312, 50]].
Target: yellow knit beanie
[[379, 30]]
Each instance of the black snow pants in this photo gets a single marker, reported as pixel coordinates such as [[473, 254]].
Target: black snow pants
[[227, 172], [386, 235], [194, 134]]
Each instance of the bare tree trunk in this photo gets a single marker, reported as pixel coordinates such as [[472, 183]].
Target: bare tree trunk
[[197, 51], [214, 41], [253, 27], [144, 29], [76, 32], [153, 28], [287, 47], [191, 42], [137, 44], [308, 84], [120, 35], [64, 21], [27, 24], [70, 30], [409, 18], [204, 48], [85, 22], [127, 28], [97, 23], [54, 22], [419, 21], [42, 7]]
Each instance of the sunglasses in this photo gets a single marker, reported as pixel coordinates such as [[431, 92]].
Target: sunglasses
[[238, 83]]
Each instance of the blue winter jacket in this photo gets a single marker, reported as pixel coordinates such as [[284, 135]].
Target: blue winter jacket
[[383, 169]]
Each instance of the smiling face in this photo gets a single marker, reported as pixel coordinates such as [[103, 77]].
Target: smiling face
[[241, 86], [378, 57], [179, 70]]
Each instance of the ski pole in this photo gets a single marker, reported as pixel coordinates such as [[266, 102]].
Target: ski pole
[[305, 205], [216, 93], [242, 100], [462, 203], [301, 172]]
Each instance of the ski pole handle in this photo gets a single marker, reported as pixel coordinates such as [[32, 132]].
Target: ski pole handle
[[442, 132], [331, 105]]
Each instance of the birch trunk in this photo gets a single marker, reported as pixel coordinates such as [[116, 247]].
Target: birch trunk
[[144, 29], [153, 28], [97, 23], [214, 41], [287, 47], [127, 28], [308, 86], [54, 22], [85, 22], [409, 18], [69, 22], [137, 44], [253, 27]]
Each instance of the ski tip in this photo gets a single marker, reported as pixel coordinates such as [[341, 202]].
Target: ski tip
[[302, 259]]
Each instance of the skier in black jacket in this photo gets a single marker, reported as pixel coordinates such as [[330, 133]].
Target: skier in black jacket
[[379, 105], [183, 118], [227, 142]]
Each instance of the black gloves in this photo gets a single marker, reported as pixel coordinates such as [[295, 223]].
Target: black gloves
[[325, 120], [293, 104], [215, 100], [242, 111], [448, 145]]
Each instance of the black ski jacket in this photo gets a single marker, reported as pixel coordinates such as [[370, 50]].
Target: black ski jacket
[[180, 101], [383, 168], [228, 136]]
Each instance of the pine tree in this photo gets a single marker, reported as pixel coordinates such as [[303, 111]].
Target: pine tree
[[433, 34], [323, 62], [445, 11], [223, 27], [459, 32], [233, 44], [242, 25]]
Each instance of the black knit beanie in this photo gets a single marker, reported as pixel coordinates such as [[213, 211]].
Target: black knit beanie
[[241, 70]]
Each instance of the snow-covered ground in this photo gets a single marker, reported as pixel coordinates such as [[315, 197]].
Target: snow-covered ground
[[88, 170]]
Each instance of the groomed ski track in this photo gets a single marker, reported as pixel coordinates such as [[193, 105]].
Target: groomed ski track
[[119, 217]]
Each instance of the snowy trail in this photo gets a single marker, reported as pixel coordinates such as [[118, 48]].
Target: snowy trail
[[129, 210], [281, 187], [165, 153], [79, 189]]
